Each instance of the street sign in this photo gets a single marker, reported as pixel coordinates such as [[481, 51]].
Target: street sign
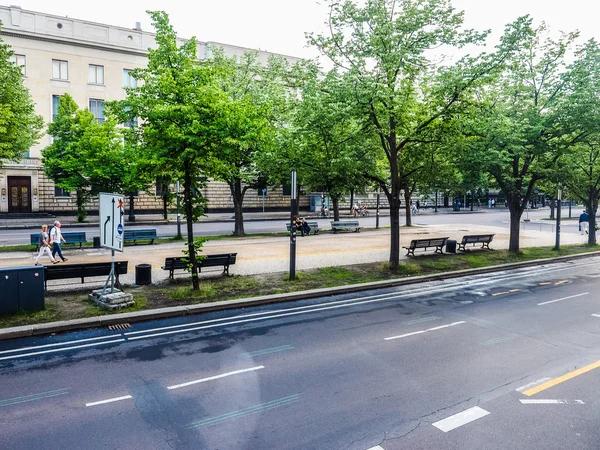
[[112, 211]]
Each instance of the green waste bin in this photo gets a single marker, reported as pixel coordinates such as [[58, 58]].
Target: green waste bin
[[450, 246]]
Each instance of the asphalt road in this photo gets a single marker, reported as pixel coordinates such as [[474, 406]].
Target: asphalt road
[[498, 217], [500, 361]]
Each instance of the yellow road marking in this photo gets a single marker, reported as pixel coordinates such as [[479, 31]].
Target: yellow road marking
[[514, 290], [561, 282], [545, 283], [499, 293], [562, 379]]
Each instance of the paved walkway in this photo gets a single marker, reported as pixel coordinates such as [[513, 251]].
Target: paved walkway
[[258, 255]]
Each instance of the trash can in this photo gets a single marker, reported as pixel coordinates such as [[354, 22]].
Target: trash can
[[450, 246], [143, 274], [96, 241]]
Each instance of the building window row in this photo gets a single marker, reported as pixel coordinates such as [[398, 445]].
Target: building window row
[[96, 107], [19, 61]]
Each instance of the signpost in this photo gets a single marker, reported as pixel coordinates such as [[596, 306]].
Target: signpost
[[293, 228], [112, 210]]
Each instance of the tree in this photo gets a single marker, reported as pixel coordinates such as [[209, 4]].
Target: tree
[[65, 159], [519, 130], [20, 127], [326, 140], [253, 96], [383, 49], [181, 107]]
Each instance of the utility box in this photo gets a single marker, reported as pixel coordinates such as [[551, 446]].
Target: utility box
[[22, 288]]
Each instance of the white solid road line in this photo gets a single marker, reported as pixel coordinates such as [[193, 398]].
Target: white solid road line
[[596, 315], [564, 298], [532, 384], [216, 377], [542, 401], [460, 419], [55, 350], [58, 344], [377, 447], [110, 400], [423, 331]]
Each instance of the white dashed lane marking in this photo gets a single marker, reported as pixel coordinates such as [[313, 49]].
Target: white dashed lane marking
[[110, 400], [564, 298], [532, 384], [460, 419], [547, 401], [216, 377], [424, 331]]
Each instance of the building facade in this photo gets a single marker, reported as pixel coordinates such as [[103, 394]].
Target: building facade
[[91, 62]]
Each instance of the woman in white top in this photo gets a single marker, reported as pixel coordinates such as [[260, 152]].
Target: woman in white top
[[44, 246]]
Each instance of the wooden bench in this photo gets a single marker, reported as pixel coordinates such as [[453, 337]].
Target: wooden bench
[[83, 271], [180, 262], [314, 227], [72, 237], [438, 243], [140, 235], [347, 225], [483, 239]]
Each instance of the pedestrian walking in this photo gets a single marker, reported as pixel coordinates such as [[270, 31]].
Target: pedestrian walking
[[55, 239], [44, 243], [584, 222]]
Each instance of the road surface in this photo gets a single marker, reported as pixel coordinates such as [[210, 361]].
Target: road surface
[[500, 361]]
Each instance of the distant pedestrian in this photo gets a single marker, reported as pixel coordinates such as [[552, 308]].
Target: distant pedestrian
[[418, 205], [55, 239], [506, 204], [584, 222], [44, 243]]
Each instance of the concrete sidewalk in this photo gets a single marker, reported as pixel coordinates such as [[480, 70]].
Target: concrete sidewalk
[[258, 255]]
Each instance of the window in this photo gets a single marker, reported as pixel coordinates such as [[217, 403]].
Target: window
[[60, 70], [97, 109], [96, 74], [19, 60], [55, 103], [128, 80], [131, 123], [60, 192]]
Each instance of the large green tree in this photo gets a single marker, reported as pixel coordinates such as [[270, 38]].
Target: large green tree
[[384, 48], [20, 127], [182, 108], [519, 129]]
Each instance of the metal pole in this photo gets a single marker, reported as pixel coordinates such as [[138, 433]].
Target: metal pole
[[112, 272], [131, 212], [436, 200], [178, 214], [293, 228], [263, 199], [558, 209], [377, 210], [471, 200], [570, 202]]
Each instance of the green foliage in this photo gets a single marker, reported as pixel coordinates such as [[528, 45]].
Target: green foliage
[[20, 127], [198, 256]]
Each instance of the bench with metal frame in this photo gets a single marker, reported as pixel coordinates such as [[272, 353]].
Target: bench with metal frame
[[83, 271], [483, 239], [438, 243], [346, 225], [140, 235], [72, 237], [180, 262], [314, 227]]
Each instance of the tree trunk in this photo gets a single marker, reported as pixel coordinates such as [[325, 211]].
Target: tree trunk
[[165, 206], [81, 199], [189, 216], [394, 201], [351, 199], [552, 206], [407, 208], [336, 209], [237, 193], [591, 206], [516, 211]]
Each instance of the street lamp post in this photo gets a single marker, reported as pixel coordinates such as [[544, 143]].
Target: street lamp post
[[293, 228], [377, 210], [178, 214], [436, 199], [558, 209]]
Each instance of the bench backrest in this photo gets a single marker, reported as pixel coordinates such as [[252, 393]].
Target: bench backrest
[[348, 223], [61, 271], [210, 260], [475, 238], [424, 243], [71, 236], [310, 224], [149, 233]]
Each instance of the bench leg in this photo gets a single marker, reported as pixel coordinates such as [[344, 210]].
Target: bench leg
[[410, 252], [171, 274]]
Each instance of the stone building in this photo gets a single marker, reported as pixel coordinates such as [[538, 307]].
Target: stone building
[[92, 62]]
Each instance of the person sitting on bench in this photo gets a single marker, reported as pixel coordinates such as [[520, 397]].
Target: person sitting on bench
[[303, 226]]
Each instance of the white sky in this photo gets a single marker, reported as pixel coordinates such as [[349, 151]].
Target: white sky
[[278, 25]]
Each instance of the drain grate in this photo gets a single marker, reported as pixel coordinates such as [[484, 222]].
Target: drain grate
[[119, 326]]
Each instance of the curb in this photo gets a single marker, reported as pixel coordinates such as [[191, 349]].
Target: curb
[[176, 311]]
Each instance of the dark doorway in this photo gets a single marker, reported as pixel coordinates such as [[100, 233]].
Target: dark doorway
[[19, 194]]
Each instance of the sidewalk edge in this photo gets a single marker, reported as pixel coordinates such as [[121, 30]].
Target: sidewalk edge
[[175, 311]]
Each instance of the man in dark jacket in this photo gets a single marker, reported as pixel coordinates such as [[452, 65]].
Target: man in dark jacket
[[584, 222]]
